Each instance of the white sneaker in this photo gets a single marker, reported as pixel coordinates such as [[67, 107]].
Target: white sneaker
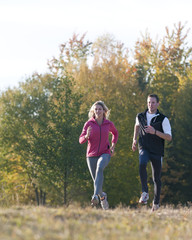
[[155, 207], [144, 197], [94, 200], [104, 202]]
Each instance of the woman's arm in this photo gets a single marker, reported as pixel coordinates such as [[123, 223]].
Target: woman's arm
[[114, 132], [83, 137]]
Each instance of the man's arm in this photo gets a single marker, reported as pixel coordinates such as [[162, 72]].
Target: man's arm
[[151, 130], [165, 136], [135, 135]]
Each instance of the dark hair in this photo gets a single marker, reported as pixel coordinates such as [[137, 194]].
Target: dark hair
[[154, 96]]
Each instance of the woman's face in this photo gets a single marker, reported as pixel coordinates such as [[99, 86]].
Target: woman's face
[[98, 111]]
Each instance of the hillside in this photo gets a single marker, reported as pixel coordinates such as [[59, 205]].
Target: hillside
[[76, 223]]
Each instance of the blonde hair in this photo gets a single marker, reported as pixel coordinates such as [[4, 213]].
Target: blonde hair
[[105, 108]]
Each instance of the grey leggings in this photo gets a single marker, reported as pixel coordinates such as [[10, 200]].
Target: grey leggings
[[96, 166]]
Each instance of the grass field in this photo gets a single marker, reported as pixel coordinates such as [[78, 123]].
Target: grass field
[[76, 223]]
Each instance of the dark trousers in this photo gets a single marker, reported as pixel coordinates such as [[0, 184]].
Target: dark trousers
[[156, 166]]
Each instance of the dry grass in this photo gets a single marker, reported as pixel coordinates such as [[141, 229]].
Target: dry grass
[[76, 223]]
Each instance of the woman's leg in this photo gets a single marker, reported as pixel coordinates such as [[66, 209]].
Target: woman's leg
[[92, 165], [101, 164]]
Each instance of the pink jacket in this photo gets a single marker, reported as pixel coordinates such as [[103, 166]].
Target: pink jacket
[[98, 142]]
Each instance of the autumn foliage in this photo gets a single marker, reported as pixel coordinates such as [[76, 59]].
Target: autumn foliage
[[40, 121]]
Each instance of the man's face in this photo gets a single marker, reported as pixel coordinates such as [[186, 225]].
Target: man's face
[[152, 104]]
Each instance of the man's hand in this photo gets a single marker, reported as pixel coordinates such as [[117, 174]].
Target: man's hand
[[134, 145], [150, 129]]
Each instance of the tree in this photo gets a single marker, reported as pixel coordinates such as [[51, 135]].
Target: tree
[[178, 180], [40, 123]]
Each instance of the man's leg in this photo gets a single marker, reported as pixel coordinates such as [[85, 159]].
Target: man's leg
[[143, 160], [156, 165]]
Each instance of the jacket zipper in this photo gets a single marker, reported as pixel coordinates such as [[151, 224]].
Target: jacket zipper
[[99, 140], [154, 118]]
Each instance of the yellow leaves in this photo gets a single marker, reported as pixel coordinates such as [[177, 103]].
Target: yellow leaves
[[184, 80]]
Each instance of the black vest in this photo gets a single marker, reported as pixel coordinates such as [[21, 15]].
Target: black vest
[[151, 142]]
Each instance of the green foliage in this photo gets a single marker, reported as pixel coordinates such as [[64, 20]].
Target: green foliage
[[40, 123], [179, 166]]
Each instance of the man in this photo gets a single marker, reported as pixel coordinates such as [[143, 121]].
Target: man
[[153, 129]]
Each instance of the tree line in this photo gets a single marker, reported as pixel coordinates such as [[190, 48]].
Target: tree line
[[41, 160]]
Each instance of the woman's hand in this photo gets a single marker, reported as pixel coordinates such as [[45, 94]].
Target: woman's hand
[[112, 148], [88, 132]]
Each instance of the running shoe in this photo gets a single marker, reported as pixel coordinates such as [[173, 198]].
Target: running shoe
[[94, 200], [104, 202], [144, 197], [155, 207]]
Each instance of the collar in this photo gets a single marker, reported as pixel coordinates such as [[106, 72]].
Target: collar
[[157, 113], [93, 120]]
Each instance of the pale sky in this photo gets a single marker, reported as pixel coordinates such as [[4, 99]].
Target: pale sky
[[32, 30]]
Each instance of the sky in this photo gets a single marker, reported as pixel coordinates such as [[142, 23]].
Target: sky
[[31, 31]]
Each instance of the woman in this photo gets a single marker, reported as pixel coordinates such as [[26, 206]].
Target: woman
[[96, 131]]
